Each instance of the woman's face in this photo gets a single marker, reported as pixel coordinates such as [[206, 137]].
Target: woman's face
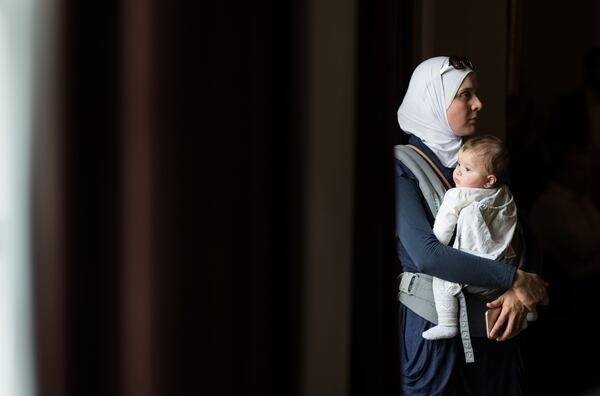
[[462, 113]]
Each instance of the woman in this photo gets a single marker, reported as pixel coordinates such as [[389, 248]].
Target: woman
[[439, 109]]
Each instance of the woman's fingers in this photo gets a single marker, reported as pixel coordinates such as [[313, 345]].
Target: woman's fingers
[[509, 322], [496, 303], [500, 324], [513, 327]]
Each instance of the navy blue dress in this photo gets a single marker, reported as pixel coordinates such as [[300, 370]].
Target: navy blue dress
[[437, 367]]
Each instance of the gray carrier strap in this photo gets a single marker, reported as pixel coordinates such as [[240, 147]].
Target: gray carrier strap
[[416, 289], [432, 188], [417, 295], [465, 336]]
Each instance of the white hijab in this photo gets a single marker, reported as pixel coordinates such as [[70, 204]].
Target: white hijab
[[423, 111]]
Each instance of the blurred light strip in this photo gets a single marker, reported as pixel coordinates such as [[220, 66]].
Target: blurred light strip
[[16, 115]]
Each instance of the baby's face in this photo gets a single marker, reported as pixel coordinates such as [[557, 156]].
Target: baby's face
[[470, 170]]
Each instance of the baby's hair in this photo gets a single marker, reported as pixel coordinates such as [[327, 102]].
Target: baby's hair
[[493, 152]]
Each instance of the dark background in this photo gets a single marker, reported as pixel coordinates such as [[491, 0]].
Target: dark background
[[227, 129]]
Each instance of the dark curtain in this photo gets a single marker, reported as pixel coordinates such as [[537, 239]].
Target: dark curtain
[[76, 188], [226, 258], [166, 214], [384, 64]]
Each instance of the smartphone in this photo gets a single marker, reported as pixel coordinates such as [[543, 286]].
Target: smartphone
[[491, 315]]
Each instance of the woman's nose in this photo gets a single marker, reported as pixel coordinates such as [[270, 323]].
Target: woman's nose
[[477, 105]]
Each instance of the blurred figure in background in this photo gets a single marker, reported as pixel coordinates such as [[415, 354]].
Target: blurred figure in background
[[566, 219], [567, 223], [576, 117]]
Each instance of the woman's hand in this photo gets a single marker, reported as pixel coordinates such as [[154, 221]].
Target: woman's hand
[[530, 288], [512, 317], [527, 292]]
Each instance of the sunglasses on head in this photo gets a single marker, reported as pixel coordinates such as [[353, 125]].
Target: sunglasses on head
[[458, 63]]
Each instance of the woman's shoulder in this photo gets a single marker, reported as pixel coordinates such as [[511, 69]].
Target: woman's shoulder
[[407, 158], [401, 169]]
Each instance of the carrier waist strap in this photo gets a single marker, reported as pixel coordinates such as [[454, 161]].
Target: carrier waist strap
[[416, 294]]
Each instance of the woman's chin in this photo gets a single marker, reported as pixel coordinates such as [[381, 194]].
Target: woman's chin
[[468, 131]]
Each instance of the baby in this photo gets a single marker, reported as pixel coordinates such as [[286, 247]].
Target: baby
[[485, 215]]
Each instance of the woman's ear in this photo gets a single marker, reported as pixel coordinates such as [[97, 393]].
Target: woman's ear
[[490, 181]]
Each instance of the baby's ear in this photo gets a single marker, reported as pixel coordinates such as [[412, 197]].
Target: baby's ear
[[490, 181]]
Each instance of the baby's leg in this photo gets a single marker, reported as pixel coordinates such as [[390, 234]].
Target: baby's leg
[[446, 306]]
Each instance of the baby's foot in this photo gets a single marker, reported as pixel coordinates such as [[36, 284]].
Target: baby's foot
[[532, 316], [440, 332]]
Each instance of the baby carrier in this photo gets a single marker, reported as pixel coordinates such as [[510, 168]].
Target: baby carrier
[[415, 289]]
